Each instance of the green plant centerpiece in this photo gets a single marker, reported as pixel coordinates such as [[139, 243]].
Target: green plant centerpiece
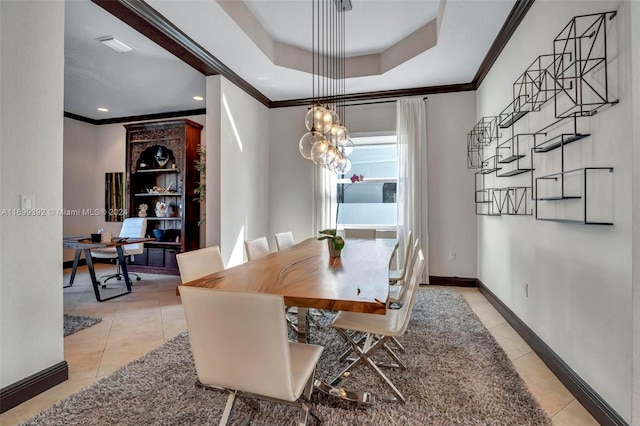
[[335, 241]]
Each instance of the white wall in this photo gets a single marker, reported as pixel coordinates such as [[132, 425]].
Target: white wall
[[452, 223], [291, 179], [635, 41], [90, 151], [579, 276], [237, 169], [31, 110]]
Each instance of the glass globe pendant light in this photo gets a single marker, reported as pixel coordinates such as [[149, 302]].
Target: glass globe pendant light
[[307, 141], [327, 141]]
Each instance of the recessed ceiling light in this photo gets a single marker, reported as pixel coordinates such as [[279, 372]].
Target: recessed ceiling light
[[103, 109], [115, 44], [198, 98]]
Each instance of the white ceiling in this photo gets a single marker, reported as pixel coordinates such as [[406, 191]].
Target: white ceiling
[[150, 80]]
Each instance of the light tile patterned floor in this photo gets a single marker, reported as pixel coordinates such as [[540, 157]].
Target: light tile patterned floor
[[132, 325]]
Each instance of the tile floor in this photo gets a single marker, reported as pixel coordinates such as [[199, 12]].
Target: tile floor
[[134, 324]]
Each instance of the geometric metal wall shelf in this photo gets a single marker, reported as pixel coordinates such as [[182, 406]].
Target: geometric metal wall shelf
[[580, 66], [512, 153], [578, 195], [514, 200], [482, 135], [537, 84]]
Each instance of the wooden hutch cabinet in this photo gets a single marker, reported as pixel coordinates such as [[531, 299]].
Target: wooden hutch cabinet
[[161, 178]]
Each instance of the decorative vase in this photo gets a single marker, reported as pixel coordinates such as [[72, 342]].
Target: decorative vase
[[161, 209], [333, 253]]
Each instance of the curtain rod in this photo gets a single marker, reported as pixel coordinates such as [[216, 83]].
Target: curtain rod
[[378, 102]]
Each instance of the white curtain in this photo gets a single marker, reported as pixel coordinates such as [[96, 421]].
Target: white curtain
[[324, 199], [411, 122]]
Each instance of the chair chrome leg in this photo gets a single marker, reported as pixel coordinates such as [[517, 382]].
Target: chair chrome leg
[[303, 412], [397, 344], [364, 357], [362, 397], [227, 408]]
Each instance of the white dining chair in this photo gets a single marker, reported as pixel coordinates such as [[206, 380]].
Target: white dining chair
[[284, 240], [198, 263], [245, 360], [379, 329], [397, 275], [256, 248], [359, 233], [132, 227], [398, 290]]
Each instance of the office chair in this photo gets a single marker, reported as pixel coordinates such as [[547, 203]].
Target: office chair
[[132, 227]]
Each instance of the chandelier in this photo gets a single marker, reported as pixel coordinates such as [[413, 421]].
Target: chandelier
[[327, 141]]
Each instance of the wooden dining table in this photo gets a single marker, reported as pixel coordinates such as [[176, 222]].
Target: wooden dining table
[[307, 277]]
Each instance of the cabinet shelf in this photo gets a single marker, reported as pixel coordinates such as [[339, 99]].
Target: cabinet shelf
[[157, 171], [162, 243], [176, 142], [158, 194]]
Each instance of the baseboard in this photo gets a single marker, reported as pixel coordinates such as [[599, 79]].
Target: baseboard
[[452, 281], [33, 385], [589, 398]]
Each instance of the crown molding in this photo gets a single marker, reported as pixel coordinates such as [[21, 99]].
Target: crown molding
[[143, 18], [134, 118]]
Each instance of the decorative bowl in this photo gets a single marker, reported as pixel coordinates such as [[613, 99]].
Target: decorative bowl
[[158, 233]]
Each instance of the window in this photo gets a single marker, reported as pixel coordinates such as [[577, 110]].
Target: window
[[371, 203]]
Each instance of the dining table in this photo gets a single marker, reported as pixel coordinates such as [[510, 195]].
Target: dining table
[[307, 277]]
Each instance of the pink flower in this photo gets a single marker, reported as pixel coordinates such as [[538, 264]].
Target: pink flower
[[355, 178]]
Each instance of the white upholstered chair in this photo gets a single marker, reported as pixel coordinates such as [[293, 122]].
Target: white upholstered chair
[[398, 275], [379, 329], [256, 248], [132, 227], [198, 263], [284, 240], [248, 361], [359, 233], [398, 289]]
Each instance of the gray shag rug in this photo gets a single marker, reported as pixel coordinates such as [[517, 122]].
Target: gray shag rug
[[75, 323], [456, 375]]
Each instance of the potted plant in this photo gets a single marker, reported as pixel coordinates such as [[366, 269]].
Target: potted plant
[[335, 241]]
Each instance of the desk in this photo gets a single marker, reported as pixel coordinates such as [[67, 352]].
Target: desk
[[84, 245], [358, 281]]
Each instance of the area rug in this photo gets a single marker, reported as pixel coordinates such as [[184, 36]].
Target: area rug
[[456, 375], [75, 323]]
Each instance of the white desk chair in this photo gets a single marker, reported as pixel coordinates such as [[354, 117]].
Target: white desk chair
[[132, 227], [256, 248], [359, 233], [198, 263], [379, 329], [284, 240], [245, 360]]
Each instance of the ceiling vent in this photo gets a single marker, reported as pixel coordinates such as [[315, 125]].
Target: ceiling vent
[[115, 44]]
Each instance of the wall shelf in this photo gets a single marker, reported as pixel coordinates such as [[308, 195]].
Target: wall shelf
[[572, 194], [558, 141]]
